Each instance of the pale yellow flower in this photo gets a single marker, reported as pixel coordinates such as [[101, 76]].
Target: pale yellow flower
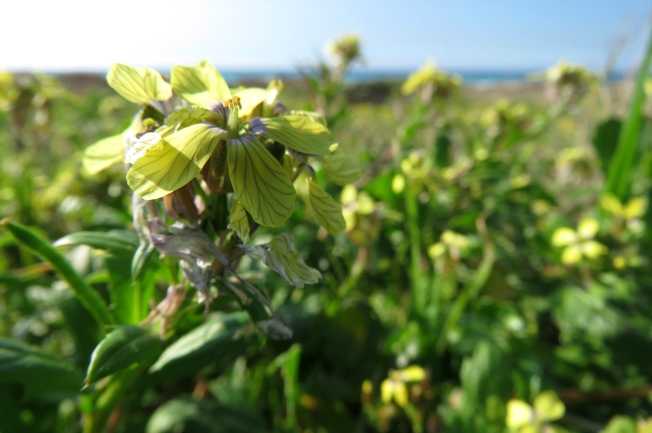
[[580, 243], [635, 208], [394, 388], [523, 418]]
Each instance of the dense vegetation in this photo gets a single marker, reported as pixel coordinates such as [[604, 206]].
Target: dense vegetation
[[458, 262]]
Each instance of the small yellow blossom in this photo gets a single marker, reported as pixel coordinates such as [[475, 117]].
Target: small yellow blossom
[[395, 386], [523, 418], [635, 208], [451, 242], [580, 243]]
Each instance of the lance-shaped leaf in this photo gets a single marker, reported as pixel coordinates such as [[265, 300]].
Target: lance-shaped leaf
[[282, 256], [327, 211], [199, 85], [174, 161], [239, 222], [121, 348], [39, 372], [211, 342], [139, 85], [341, 169], [297, 132], [104, 154], [259, 181], [119, 242]]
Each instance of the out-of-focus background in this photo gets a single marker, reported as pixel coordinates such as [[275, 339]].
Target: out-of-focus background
[[494, 274]]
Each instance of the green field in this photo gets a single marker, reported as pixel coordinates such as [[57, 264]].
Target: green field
[[466, 259]]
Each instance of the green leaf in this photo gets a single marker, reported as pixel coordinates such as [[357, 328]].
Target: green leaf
[[341, 169], [605, 140], [259, 181], [297, 132], [119, 242], [218, 337], [140, 259], [122, 348], [282, 256], [239, 222], [174, 161], [327, 211], [138, 85], [83, 291], [621, 167], [201, 416], [104, 154], [199, 85], [123, 291], [39, 372]]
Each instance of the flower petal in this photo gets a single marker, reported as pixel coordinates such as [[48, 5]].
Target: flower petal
[[563, 236], [571, 255], [199, 85], [173, 162], [341, 169], [297, 132], [519, 413], [259, 181], [327, 211], [587, 228], [104, 154], [138, 85], [548, 406], [239, 222]]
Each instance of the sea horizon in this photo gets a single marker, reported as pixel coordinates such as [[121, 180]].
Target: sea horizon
[[476, 76]]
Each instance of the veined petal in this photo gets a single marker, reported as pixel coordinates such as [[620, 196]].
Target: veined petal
[[239, 222], [199, 85], [174, 161], [297, 132], [104, 154], [282, 256], [311, 115], [141, 146], [328, 212], [192, 115], [139, 85], [251, 98], [259, 181], [341, 169]]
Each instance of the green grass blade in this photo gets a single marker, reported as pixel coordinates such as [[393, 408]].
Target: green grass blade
[[88, 297], [619, 175]]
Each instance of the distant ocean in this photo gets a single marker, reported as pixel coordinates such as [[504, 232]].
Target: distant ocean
[[476, 77]]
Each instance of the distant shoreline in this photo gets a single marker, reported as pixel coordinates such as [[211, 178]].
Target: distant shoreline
[[476, 77]]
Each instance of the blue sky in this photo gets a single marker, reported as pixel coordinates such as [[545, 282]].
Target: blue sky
[[66, 35]]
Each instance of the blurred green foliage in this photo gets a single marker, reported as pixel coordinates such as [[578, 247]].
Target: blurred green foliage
[[494, 275]]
